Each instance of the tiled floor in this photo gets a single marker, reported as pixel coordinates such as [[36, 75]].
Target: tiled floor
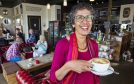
[[2, 80], [126, 75]]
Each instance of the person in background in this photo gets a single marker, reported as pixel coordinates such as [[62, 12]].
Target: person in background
[[21, 35], [73, 55], [131, 57], [32, 36], [5, 31], [41, 47], [13, 52]]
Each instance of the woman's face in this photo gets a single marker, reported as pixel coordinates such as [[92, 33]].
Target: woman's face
[[83, 22], [42, 38], [19, 40], [30, 31], [17, 31]]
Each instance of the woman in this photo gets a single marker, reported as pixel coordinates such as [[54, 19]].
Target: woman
[[41, 47], [13, 52], [71, 63], [19, 32], [32, 37], [5, 32]]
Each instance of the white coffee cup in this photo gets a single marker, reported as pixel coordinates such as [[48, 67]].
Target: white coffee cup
[[100, 64], [29, 64]]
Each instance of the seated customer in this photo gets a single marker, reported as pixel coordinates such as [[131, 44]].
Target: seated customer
[[18, 36], [19, 32], [32, 37], [5, 31], [13, 52], [41, 47]]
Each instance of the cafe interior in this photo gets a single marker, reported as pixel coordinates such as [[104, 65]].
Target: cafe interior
[[113, 30]]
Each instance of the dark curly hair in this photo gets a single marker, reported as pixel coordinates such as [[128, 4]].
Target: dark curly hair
[[78, 7]]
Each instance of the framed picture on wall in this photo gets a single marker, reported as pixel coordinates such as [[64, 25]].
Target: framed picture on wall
[[6, 21], [126, 12]]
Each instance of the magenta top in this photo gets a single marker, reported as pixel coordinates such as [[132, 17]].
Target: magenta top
[[60, 57]]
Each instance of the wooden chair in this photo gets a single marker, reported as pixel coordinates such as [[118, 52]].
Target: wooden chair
[[27, 49]]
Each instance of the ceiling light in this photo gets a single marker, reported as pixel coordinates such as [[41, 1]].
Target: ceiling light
[[1, 17], [65, 3], [78, 1], [48, 6], [92, 0], [5, 12]]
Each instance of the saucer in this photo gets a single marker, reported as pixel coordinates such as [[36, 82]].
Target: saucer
[[108, 72]]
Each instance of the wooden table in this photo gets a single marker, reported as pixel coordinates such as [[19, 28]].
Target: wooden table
[[45, 61]]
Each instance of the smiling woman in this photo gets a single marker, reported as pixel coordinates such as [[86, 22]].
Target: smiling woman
[[70, 63]]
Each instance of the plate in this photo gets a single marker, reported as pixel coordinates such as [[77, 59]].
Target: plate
[[108, 72]]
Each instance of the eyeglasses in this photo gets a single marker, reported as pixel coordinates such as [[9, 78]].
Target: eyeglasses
[[80, 18]]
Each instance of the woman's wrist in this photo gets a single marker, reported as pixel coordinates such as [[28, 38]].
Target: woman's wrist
[[67, 66], [63, 71]]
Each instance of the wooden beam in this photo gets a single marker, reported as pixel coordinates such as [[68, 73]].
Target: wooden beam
[[109, 10]]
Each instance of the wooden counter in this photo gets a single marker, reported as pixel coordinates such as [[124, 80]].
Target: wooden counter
[[122, 44]]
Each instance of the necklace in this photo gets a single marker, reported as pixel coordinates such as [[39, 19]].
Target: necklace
[[82, 48]]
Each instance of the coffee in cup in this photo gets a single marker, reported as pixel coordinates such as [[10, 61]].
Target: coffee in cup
[[100, 64]]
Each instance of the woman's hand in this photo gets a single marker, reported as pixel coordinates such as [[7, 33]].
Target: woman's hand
[[79, 66]]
